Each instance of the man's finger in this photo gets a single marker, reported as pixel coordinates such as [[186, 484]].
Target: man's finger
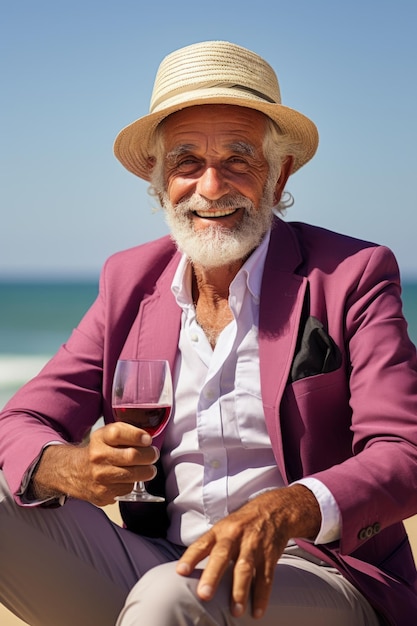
[[222, 554], [195, 553], [243, 575], [121, 434], [261, 590]]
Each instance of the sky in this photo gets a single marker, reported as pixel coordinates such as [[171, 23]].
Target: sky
[[74, 73]]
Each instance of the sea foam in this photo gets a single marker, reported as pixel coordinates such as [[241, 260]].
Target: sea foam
[[16, 369]]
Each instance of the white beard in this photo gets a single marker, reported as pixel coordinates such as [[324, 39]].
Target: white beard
[[215, 245]]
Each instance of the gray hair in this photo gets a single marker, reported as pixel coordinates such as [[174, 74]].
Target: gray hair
[[276, 147]]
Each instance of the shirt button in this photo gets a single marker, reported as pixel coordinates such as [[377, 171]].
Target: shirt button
[[215, 464], [209, 394], [194, 337]]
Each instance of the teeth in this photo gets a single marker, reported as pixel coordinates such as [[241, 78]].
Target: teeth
[[222, 213]]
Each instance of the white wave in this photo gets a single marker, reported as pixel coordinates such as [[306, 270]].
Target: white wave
[[17, 369]]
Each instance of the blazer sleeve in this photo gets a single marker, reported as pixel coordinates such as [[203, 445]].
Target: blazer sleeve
[[377, 486]]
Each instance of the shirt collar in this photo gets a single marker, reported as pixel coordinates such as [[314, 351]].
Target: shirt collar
[[251, 271]]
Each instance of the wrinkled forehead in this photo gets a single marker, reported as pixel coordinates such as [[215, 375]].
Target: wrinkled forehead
[[238, 127]]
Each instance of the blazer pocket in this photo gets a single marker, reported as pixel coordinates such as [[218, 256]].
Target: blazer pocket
[[316, 352]]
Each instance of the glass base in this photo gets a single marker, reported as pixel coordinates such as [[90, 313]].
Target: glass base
[[139, 496]]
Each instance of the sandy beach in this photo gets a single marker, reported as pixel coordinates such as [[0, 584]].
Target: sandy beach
[[7, 619]]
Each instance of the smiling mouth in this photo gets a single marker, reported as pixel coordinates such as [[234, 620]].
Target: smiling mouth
[[219, 213]]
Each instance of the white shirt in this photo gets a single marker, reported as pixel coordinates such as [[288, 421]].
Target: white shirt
[[217, 453]]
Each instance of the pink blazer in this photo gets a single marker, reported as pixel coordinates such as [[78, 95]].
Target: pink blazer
[[338, 376]]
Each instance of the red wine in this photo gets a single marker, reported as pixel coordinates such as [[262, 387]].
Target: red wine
[[150, 417]]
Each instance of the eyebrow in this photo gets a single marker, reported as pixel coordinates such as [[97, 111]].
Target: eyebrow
[[242, 147], [178, 151], [238, 147]]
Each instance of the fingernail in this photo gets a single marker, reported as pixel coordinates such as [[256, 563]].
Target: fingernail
[[238, 609], [157, 453], [258, 613], [183, 568], [146, 439], [205, 591]]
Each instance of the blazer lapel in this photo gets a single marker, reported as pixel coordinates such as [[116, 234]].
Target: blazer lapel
[[155, 331], [282, 297]]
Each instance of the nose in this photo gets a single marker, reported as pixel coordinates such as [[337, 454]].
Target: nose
[[212, 184]]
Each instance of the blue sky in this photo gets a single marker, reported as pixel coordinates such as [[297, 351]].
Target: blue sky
[[74, 73]]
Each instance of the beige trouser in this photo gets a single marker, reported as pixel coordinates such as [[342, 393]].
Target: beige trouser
[[72, 565]]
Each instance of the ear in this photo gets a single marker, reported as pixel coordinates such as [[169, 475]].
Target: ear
[[286, 170]]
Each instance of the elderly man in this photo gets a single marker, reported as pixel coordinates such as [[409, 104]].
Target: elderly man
[[291, 455]]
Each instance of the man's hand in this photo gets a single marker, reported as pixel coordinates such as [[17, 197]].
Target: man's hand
[[253, 538], [116, 455]]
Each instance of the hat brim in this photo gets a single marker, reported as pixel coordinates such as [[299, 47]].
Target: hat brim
[[132, 146]]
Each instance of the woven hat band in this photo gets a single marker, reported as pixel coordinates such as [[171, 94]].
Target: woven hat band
[[215, 91]]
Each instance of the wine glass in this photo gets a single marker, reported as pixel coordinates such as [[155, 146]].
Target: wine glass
[[142, 396]]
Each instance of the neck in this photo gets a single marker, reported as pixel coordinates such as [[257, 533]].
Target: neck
[[210, 289], [212, 285]]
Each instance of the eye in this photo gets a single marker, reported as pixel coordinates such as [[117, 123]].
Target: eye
[[186, 165], [237, 164]]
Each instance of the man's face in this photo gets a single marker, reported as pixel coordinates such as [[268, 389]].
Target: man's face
[[218, 194], [215, 151]]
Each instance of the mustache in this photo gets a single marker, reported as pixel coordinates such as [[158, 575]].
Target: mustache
[[198, 203]]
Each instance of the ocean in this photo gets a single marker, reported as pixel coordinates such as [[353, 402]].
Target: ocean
[[37, 317]]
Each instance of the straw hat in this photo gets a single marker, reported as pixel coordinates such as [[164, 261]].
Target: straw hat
[[213, 72]]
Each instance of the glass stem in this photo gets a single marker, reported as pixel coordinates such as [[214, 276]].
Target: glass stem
[[139, 487]]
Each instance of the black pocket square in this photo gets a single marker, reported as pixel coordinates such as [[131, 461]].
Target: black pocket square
[[316, 351]]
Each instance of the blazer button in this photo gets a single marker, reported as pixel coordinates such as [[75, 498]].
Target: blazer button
[[376, 528], [366, 533]]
